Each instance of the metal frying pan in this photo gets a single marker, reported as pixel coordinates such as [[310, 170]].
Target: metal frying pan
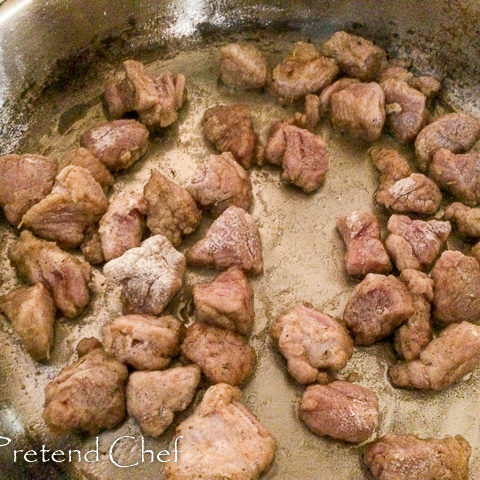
[[55, 56]]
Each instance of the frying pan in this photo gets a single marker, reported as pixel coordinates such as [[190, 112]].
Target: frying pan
[[55, 56]]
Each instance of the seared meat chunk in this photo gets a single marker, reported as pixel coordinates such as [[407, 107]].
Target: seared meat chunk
[[311, 117], [341, 410], [407, 457], [311, 342], [171, 210], [91, 246], [445, 360], [415, 243], [359, 110], [75, 203], [39, 261], [153, 398], [395, 71], [122, 226], [457, 288], [222, 355], [24, 181], [467, 220], [391, 164], [226, 302], [219, 183], [230, 129], [222, 439], [326, 95], [456, 132], [143, 341], [117, 144], [427, 84], [377, 306], [365, 251], [243, 66], [233, 239], [150, 275], [356, 56], [88, 395], [31, 311]]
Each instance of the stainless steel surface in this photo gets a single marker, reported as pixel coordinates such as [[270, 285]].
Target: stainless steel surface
[[54, 59]]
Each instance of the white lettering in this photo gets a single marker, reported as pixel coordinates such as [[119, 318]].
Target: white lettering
[[176, 448], [110, 453]]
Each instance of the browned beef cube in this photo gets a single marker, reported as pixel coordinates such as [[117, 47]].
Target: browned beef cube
[[392, 166], [466, 219], [326, 94], [91, 246]]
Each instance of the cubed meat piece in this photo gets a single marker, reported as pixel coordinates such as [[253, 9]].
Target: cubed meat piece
[[88, 395], [365, 251], [407, 457], [428, 85], [458, 174], [312, 112], [392, 166], [326, 94], [171, 210], [303, 71], [143, 341], [153, 398], [219, 183], [222, 355], [395, 71], [75, 203], [243, 66], [415, 243], [233, 239], [312, 342], [39, 261], [31, 311], [226, 302], [230, 129], [222, 439], [445, 360], [91, 246], [416, 333], [358, 110], [457, 288], [377, 306], [150, 275], [81, 157], [456, 132], [301, 154], [341, 410], [117, 144], [122, 226], [466, 219], [24, 181], [357, 56]]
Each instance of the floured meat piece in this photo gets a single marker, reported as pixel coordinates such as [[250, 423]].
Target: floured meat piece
[[357, 56], [233, 239], [230, 129], [31, 311], [311, 117], [243, 66], [396, 72], [39, 261], [220, 183], [445, 360], [88, 395], [226, 302], [415, 243], [81, 157], [122, 226], [153, 398], [458, 174], [222, 439], [24, 181], [91, 246], [117, 144], [456, 132], [365, 251], [377, 306], [301, 154], [222, 355], [407, 457], [416, 333], [150, 275], [359, 111], [143, 341], [311, 342], [75, 203], [428, 85], [171, 210], [457, 288], [303, 71], [392, 166], [341, 410], [467, 220], [326, 95]]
